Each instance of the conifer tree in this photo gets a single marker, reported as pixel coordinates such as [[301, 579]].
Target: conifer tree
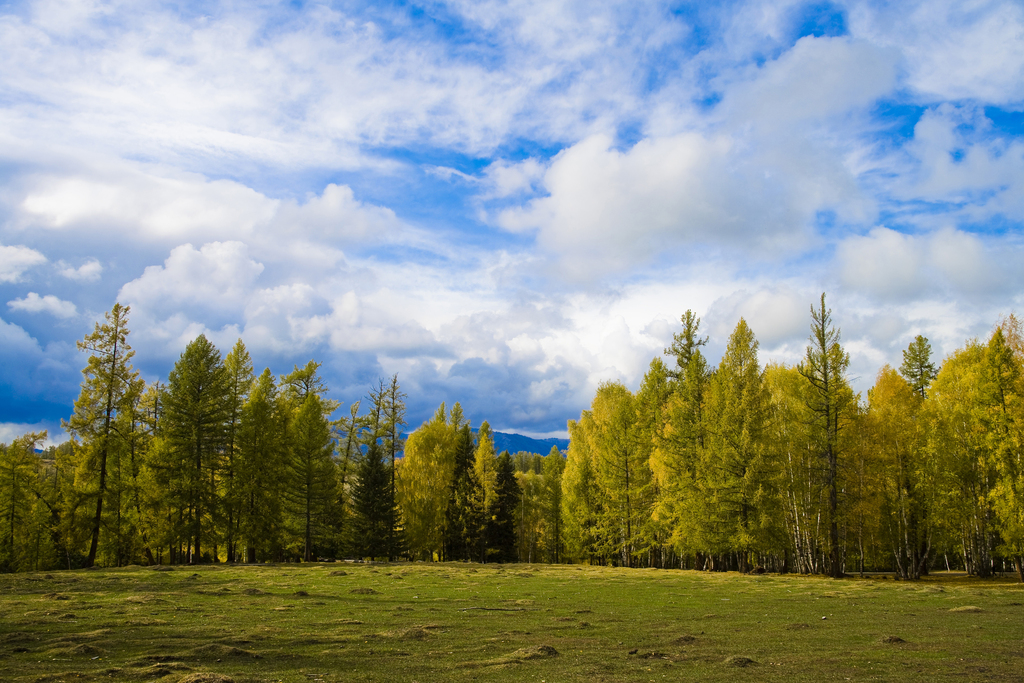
[[501, 523], [197, 413], [373, 516], [260, 469], [918, 368], [310, 474], [239, 368], [108, 377], [831, 402]]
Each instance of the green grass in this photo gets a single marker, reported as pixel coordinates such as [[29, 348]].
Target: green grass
[[457, 622]]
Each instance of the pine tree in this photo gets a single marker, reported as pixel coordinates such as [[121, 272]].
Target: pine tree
[[197, 413], [501, 522], [372, 514], [464, 520], [108, 378], [917, 367]]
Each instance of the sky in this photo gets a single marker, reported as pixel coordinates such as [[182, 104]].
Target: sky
[[505, 203]]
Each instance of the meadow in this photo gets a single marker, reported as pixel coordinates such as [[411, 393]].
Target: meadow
[[464, 622]]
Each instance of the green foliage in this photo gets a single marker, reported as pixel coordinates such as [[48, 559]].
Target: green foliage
[[501, 522], [918, 368]]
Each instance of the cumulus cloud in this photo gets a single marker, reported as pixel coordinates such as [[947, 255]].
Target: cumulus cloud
[[892, 266], [89, 271], [14, 261], [194, 291], [33, 303]]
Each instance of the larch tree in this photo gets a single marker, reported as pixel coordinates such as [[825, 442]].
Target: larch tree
[[737, 464], [424, 480], [310, 473], [831, 401], [894, 431], [1002, 414], [260, 469], [239, 368], [19, 466], [551, 505], [108, 377]]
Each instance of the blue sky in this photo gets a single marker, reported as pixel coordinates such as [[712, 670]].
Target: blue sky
[[506, 203]]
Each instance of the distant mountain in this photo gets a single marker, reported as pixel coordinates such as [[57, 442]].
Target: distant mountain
[[513, 443]]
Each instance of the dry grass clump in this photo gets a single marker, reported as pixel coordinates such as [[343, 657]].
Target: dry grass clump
[[338, 572], [79, 650], [254, 591], [206, 678], [533, 652], [967, 608]]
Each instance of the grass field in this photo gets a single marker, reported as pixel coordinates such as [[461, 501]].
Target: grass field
[[421, 622]]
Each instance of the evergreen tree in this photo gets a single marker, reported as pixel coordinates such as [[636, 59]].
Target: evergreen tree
[[464, 521], [917, 367], [197, 413], [108, 378], [501, 522], [373, 516]]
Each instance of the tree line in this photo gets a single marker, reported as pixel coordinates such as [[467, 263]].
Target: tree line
[[737, 466], [784, 468]]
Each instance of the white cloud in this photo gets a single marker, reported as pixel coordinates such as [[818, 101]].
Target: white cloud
[[14, 261], [89, 271], [212, 283], [9, 431], [33, 303], [953, 50]]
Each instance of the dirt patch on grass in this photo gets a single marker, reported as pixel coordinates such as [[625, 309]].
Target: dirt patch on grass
[[76, 650], [686, 639], [254, 591], [892, 640], [967, 608], [739, 661], [797, 627], [338, 573], [55, 596], [301, 594], [143, 599], [363, 591], [346, 622], [215, 650], [16, 637]]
